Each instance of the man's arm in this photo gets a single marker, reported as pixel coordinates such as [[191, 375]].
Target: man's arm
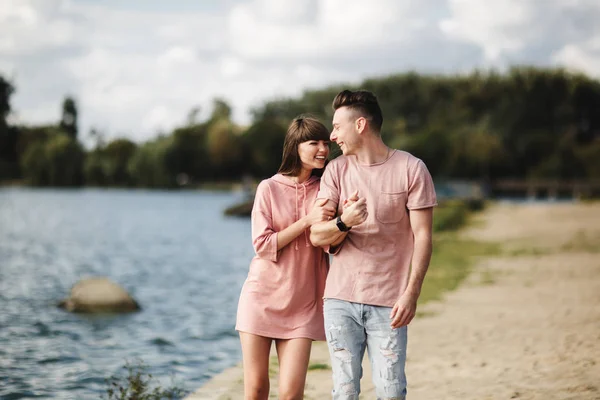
[[328, 234], [405, 308]]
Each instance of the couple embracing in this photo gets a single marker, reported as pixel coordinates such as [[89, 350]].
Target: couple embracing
[[371, 210]]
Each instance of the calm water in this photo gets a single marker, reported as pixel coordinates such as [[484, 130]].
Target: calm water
[[174, 252]]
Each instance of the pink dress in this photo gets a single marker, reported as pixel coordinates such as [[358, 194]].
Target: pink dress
[[282, 298]]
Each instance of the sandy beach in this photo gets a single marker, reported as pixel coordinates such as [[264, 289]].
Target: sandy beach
[[524, 325]]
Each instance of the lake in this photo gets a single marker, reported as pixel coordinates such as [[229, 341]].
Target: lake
[[174, 251]]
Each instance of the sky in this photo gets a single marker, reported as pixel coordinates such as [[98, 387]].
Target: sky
[[137, 67]]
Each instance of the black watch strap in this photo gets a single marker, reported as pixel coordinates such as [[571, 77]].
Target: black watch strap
[[341, 225]]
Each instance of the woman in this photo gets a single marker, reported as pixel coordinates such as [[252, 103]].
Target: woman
[[281, 299]]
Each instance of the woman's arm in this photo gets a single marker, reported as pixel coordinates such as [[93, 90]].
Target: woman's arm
[[321, 211]]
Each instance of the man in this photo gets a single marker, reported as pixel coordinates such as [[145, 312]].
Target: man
[[385, 199]]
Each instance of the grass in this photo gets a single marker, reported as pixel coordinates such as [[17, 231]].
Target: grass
[[488, 277], [424, 314], [583, 242], [318, 366], [138, 384], [580, 242], [451, 262], [453, 257]]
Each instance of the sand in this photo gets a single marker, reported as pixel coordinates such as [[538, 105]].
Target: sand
[[524, 325]]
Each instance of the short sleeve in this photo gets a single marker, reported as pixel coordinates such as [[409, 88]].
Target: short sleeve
[[264, 237], [421, 192], [329, 188]]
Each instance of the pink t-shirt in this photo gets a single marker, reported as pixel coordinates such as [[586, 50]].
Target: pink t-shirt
[[282, 296], [372, 264]]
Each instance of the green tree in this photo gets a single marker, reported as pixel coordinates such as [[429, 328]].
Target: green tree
[[68, 121], [94, 168], [224, 149], [117, 154], [147, 166], [9, 167], [263, 147], [34, 164], [54, 161], [187, 154], [31, 148], [221, 110], [65, 161], [483, 125]]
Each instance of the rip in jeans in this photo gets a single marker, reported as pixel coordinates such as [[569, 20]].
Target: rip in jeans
[[389, 350], [339, 351], [345, 356]]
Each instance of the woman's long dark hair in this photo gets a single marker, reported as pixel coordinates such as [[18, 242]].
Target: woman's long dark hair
[[302, 129]]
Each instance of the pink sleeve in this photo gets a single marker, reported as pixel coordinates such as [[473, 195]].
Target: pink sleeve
[[329, 185], [264, 237], [329, 189], [421, 192]]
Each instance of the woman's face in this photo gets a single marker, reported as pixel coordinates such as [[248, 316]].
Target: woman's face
[[313, 153]]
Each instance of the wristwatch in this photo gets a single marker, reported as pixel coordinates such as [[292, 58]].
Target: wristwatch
[[341, 225]]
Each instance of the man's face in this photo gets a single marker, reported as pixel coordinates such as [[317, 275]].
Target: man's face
[[344, 131]]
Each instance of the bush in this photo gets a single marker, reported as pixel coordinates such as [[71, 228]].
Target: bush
[[137, 385], [450, 215]]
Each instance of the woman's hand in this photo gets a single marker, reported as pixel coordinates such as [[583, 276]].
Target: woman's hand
[[320, 212]]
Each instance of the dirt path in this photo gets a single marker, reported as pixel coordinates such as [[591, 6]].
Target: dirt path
[[525, 325]]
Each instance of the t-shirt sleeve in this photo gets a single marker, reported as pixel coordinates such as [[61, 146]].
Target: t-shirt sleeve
[[329, 185], [329, 189], [421, 192], [264, 237]]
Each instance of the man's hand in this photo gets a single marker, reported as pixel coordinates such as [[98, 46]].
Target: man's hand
[[354, 210], [350, 200], [404, 310]]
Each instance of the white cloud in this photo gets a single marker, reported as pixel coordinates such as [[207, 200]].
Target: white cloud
[[339, 26], [231, 67], [279, 12], [507, 29], [583, 57], [497, 26], [137, 71]]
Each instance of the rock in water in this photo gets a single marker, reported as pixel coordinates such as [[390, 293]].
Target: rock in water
[[98, 295]]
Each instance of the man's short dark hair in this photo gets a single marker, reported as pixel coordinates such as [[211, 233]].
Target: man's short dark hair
[[363, 102]]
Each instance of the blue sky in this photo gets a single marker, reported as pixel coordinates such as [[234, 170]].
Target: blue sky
[[137, 67]]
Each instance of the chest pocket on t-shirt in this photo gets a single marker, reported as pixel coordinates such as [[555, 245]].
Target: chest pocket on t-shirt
[[391, 207]]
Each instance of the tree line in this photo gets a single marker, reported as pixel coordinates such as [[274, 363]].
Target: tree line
[[527, 123]]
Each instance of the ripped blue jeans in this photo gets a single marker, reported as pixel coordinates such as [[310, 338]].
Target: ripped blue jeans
[[351, 328]]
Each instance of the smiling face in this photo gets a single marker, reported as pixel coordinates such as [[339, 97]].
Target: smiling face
[[305, 148], [345, 130], [313, 154]]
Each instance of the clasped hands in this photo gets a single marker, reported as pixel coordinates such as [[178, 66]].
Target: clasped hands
[[354, 211]]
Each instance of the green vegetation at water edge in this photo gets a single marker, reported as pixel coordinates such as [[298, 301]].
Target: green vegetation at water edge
[[138, 384], [527, 123]]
